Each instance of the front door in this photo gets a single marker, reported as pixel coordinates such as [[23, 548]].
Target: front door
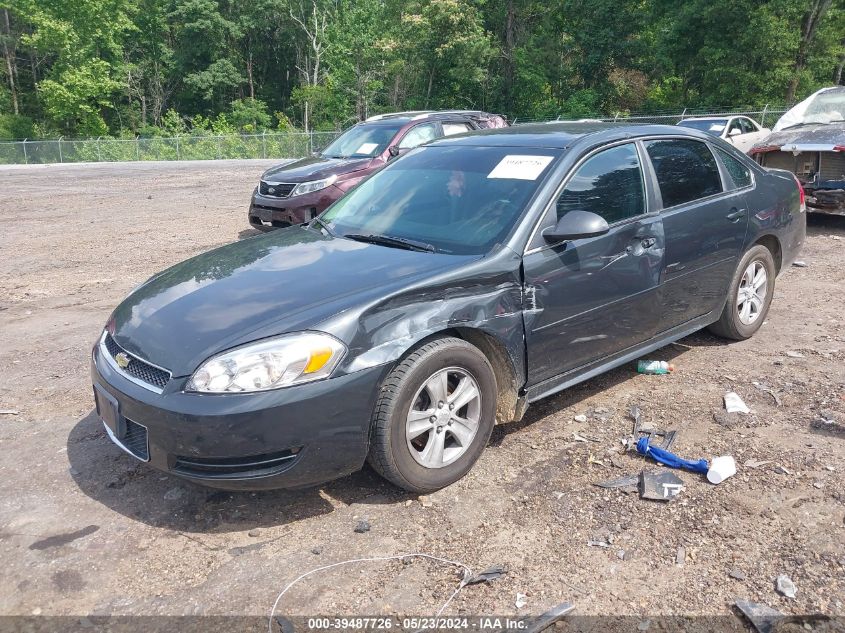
[[589, 298]]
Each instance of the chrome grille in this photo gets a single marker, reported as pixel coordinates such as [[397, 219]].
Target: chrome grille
[[140, 370], [275, 190]]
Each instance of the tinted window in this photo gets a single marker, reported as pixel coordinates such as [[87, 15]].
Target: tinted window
[[418, 135], [461, 200], [736, 126], [609, 184], [367, 139], [686, 170], [740, 174], [747, 126]]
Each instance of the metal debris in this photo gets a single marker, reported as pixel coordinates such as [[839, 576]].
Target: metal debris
[[544, 621], [785, 586], [488, 575], [663, 485], [667, 438], [734, 404], [762, 618]]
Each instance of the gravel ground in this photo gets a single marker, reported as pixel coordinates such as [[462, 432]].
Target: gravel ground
[[85, 529]]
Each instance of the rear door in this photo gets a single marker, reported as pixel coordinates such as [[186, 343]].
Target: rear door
[[704, 218], [589, 298]]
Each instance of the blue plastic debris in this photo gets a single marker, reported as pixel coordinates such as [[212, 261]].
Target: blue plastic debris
[[666, 458]]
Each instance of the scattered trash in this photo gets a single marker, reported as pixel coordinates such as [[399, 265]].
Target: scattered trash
[[720, 469], [584, 438], [654, 367], [681, 556], [592, 460], [425, 501], [317, 550], [663, 485], [785, 586], [782, 470], [254, 532], [818, 485], [363, 526], [620, 482], [794, 354], [667, 437], [734, 404], [620, 554], [9, 412], [762, 618], [488, 575], [580, 418], [753, 463], [467, 573], [544, 621], [666, 458], [597, 543], [521, 600], [799, 264], [736, 574], [768, 390]]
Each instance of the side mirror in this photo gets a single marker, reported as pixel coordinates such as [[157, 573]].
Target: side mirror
[[735, 132], [393, 150], [577, 225]]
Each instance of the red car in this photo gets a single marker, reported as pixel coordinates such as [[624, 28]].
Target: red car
[[295, 192]]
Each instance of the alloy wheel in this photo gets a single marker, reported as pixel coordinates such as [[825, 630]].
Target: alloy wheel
[[751, 295]]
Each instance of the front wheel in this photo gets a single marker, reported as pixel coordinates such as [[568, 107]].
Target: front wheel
[[434, 416], [749, 296]]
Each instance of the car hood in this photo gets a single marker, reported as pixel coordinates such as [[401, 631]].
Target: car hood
[[314, 168], [287, 280], [813, 137]]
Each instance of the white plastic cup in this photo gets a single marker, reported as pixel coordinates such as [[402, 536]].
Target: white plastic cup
[[720, 469]]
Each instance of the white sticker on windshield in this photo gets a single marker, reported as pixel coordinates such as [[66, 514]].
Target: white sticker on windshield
[[367, 148], [717, 127], [520, 167]]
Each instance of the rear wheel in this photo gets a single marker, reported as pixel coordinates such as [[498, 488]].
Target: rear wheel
[[749, 297], [434, 416]]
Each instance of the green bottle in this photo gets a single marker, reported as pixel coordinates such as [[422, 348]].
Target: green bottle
[[654, 367]]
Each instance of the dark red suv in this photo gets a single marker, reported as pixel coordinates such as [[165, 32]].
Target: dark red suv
[[296, 192]]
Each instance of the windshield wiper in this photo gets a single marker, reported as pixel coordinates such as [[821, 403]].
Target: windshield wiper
[[317, 220], [396, 242]]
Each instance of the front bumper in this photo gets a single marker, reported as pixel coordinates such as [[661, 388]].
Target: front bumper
[[267, 212], [286, 438]]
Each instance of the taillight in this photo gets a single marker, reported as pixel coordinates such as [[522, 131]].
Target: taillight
[[802, 198]]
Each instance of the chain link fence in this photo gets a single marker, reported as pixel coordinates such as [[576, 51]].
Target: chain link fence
[[275, 145], [765, 116]]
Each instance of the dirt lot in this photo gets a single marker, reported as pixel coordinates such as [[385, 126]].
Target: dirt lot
[[84, 529]]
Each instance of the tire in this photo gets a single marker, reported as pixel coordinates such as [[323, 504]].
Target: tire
[[437, 367], [736, 323]]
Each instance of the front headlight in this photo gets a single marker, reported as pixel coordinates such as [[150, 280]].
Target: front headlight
[[314, 185], [286, 360]]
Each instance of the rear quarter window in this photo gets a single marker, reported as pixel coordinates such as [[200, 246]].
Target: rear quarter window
[[739, 173], [686, 170]]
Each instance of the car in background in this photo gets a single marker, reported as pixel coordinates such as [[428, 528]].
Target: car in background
[[298, 191], [740, 131], [447, 292], [809, 141]]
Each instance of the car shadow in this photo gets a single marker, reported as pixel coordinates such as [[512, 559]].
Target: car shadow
[[242, 235], [109, 476]]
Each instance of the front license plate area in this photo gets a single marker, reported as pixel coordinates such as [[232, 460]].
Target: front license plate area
[[109, 412]]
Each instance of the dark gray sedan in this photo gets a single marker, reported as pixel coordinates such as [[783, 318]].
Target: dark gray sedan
[[445, 293]]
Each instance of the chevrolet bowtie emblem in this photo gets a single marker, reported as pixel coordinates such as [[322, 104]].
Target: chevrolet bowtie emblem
[[122, 360]]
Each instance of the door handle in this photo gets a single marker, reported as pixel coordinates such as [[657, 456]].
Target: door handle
[[735, 215]]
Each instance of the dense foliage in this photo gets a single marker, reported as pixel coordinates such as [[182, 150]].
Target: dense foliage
[[164, 67]]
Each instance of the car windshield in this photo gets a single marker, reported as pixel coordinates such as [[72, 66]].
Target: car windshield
[[822, 107], [459, 200], [361, 141], [711, 126]]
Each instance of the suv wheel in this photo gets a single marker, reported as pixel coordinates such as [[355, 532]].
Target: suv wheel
[[434, 416], [749, 297]]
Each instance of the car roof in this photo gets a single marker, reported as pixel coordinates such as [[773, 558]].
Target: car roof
[[711, 118], [560, 135], [419, 115]]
